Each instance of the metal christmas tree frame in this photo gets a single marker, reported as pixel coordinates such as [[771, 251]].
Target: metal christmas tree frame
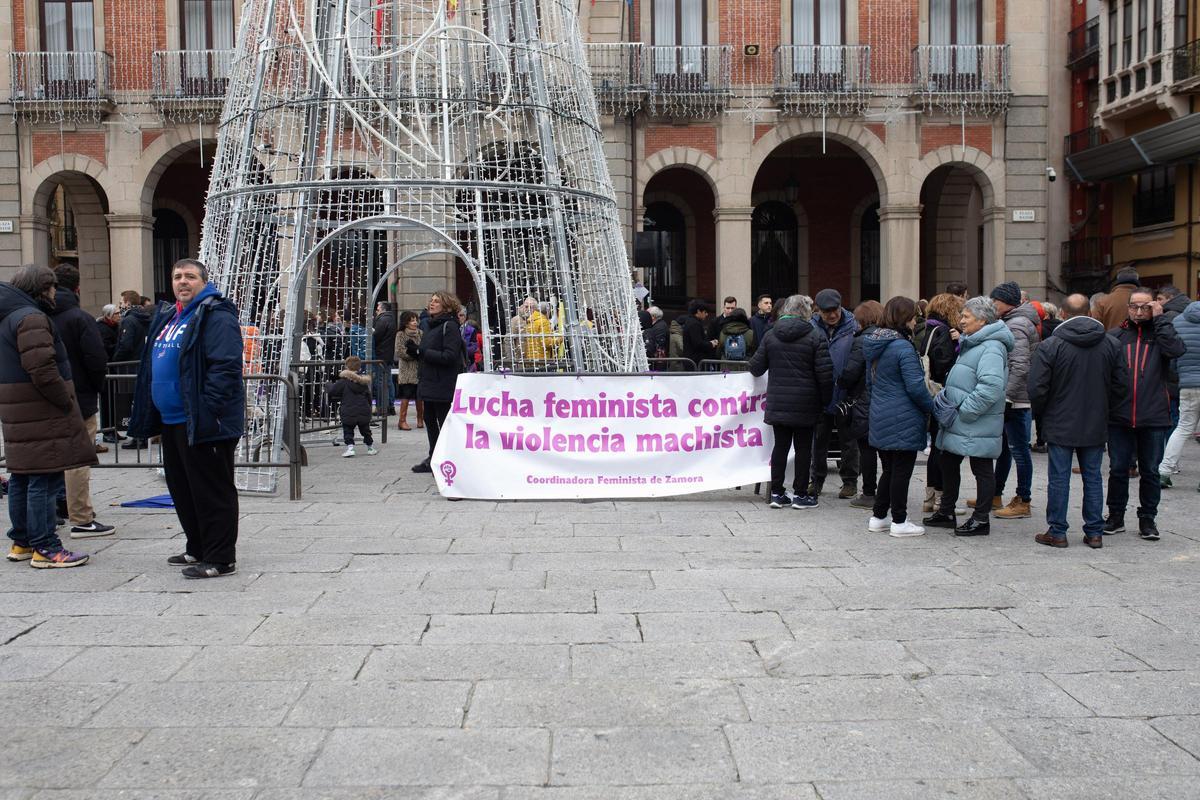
[[366, 140]]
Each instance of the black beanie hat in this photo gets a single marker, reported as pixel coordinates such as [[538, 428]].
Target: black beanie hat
[[1008, 292]]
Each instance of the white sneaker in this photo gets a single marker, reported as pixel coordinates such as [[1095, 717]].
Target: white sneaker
[[907, 528], [349, 452], [877, 525], [371, 451]]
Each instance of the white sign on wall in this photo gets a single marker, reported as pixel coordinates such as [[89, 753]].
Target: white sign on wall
[[565, 437], [6, 226], [1024, 215]]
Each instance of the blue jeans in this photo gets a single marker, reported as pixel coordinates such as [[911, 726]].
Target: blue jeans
[[1017, 423], [1125, 447], [31, 510], [1058, 489], [383, 385]]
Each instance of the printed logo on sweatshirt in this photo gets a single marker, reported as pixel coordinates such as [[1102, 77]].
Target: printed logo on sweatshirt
[[169, 336]]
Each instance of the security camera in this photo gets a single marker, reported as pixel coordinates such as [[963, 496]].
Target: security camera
[[1051, 175]]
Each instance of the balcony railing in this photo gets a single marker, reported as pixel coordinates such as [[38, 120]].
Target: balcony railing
[[1086, 261], [689, 81], [60, 85], [1186, 64], [823, 78], [191, 80], [1082, 140], [962, 78], [617, 76], [1083, 44]]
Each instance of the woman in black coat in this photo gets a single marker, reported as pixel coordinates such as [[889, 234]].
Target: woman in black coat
[[799, 386], [440, 358]]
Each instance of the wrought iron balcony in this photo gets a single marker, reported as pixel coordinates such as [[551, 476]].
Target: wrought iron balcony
[[1086, 261], [191, 81], [970, 79], [816, 79], [1186, 65], [617, 76], [1083, 44], [691, 81], [1082, 140], [61, 85]]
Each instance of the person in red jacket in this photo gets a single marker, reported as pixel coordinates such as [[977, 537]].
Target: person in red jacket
[[1137, 427]]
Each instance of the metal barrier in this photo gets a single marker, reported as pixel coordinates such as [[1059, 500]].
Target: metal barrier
[[271, 429], [672, 365], [316, 413], [723, 365]]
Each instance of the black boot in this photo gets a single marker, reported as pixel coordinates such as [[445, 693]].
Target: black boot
[[422, 467], [974, 527], [940, 520]]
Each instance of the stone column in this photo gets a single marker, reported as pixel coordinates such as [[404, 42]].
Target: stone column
[[131, 249], [35, 239], [900, 251], [993, 248], [734, 254]]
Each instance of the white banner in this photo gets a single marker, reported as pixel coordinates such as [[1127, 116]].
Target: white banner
[[565, 437]]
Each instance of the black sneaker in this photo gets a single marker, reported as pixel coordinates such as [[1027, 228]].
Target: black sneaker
[[780, 501], [422, 467], [182, 560], [1114, 524], [134, 444], [203, 570], [1147, 529], [93, 528], [802, 502]]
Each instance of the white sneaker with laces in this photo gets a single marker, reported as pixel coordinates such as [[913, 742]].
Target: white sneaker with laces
[[904, 529], [371, 451], [877, 525], [349, 452]]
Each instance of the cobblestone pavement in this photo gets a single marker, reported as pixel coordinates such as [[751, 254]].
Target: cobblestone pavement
[[380, 642]]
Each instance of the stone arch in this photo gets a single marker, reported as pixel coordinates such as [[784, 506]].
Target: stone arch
[[686, 157], [64, 163], [848, 132], [161, 153], [987, 171], [89, 206]]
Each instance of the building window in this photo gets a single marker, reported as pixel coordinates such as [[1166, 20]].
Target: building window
[[1143, 19], [1156, 44], [207, 24], [955, 22], [1113, 35], [1127, 33], [679, 22], [1154, 197], [1181, 23], [67, 26], [818, 22]]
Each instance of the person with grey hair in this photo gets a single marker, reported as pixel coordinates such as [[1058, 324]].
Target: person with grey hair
[[44, 434], [108, 324], [799, 387], [657, 337], [975, 391]]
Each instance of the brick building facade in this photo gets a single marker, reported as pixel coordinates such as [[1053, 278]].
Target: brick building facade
[[877, 146]]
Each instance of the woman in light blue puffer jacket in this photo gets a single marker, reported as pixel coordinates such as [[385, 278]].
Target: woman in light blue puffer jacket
[[975, 388]]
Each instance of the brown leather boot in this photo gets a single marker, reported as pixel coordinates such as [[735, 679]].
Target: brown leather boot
[[420, 414], [402, 423], [997, 503]]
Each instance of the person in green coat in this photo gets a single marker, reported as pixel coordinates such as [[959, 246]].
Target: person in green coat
[[975, 389]]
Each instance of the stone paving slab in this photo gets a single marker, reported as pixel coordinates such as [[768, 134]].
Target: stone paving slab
[[379, 642]]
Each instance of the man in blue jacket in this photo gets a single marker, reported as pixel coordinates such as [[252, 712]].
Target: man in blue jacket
[[839, 326], [1187, 366], [190, 389]]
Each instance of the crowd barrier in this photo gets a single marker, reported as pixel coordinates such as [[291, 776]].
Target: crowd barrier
[[317, 413]]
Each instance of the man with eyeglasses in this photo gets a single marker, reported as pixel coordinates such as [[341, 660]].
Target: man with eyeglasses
[[1138, 426]]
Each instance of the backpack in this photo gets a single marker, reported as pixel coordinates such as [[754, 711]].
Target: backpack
[[735, 347], [931, 386]]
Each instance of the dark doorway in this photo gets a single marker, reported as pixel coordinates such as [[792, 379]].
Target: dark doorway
[[773, 267], [663, 246], [869, 255], [170, 245]]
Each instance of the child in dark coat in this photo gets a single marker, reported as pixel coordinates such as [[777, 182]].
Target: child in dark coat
[[354, 392]]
